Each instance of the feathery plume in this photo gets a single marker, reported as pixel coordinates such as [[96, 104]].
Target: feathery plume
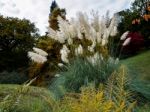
[[104, 42], [90, 48], [99, 37], [40, 51], [60, 64], [70, 41], [79, 50], [79, 35], [57, 75], [57, 35], [37, 57], [106, 34], [60, 37], [95, 20], [127, 41], [64, 54], [114, 31], [94, 59], [124, 35]]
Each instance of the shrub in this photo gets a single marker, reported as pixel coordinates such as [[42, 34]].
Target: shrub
[[110, 97], [12, 77], [135, 44]]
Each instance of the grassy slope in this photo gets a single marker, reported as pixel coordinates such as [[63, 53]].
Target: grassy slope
[[140, 65], [30, 101], [139, 68]]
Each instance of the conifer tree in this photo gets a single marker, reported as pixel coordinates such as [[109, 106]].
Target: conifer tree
[[55, 11], [53, 6]]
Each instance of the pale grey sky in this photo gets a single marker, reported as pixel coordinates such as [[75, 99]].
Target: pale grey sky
[[37, 11]]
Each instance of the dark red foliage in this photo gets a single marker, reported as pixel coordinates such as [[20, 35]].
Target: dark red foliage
[[135, 44]]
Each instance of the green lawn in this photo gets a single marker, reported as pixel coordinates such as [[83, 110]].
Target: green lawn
[[139, 65], [139, 69], [31, 98]]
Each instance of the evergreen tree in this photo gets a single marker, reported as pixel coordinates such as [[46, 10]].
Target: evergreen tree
[[53, 6], [55, 11]]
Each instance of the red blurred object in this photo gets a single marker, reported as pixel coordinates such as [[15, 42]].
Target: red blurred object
[[135, 44]]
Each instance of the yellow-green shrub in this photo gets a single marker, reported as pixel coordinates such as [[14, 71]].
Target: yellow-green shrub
[[110, 97]]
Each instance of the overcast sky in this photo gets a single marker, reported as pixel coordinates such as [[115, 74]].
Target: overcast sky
[[37, 11]]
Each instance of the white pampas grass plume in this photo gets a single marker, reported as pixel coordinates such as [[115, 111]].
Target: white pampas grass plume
[[124, 35], [70, 41], [60, 37], [72, 30], [57, 35], [37, 57], [65, 58], [80, 35], [94, 59], [57, 75], [106, 34], [82, 29], [126, 42], [114, 31], [60, 64], [90, 48], [93, 33], [40, 51], [96, 56], [63, 24], [104, 42], [64, 54], [79, 50], [99, 37]]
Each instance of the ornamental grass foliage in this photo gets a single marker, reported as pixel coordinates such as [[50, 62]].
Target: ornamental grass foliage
[[81, 72], [112, 96], [80, 37]]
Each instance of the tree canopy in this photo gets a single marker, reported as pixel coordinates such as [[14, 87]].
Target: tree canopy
[[17, 36]]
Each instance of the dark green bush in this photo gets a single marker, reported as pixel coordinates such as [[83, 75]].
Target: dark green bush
[[12, 77]]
